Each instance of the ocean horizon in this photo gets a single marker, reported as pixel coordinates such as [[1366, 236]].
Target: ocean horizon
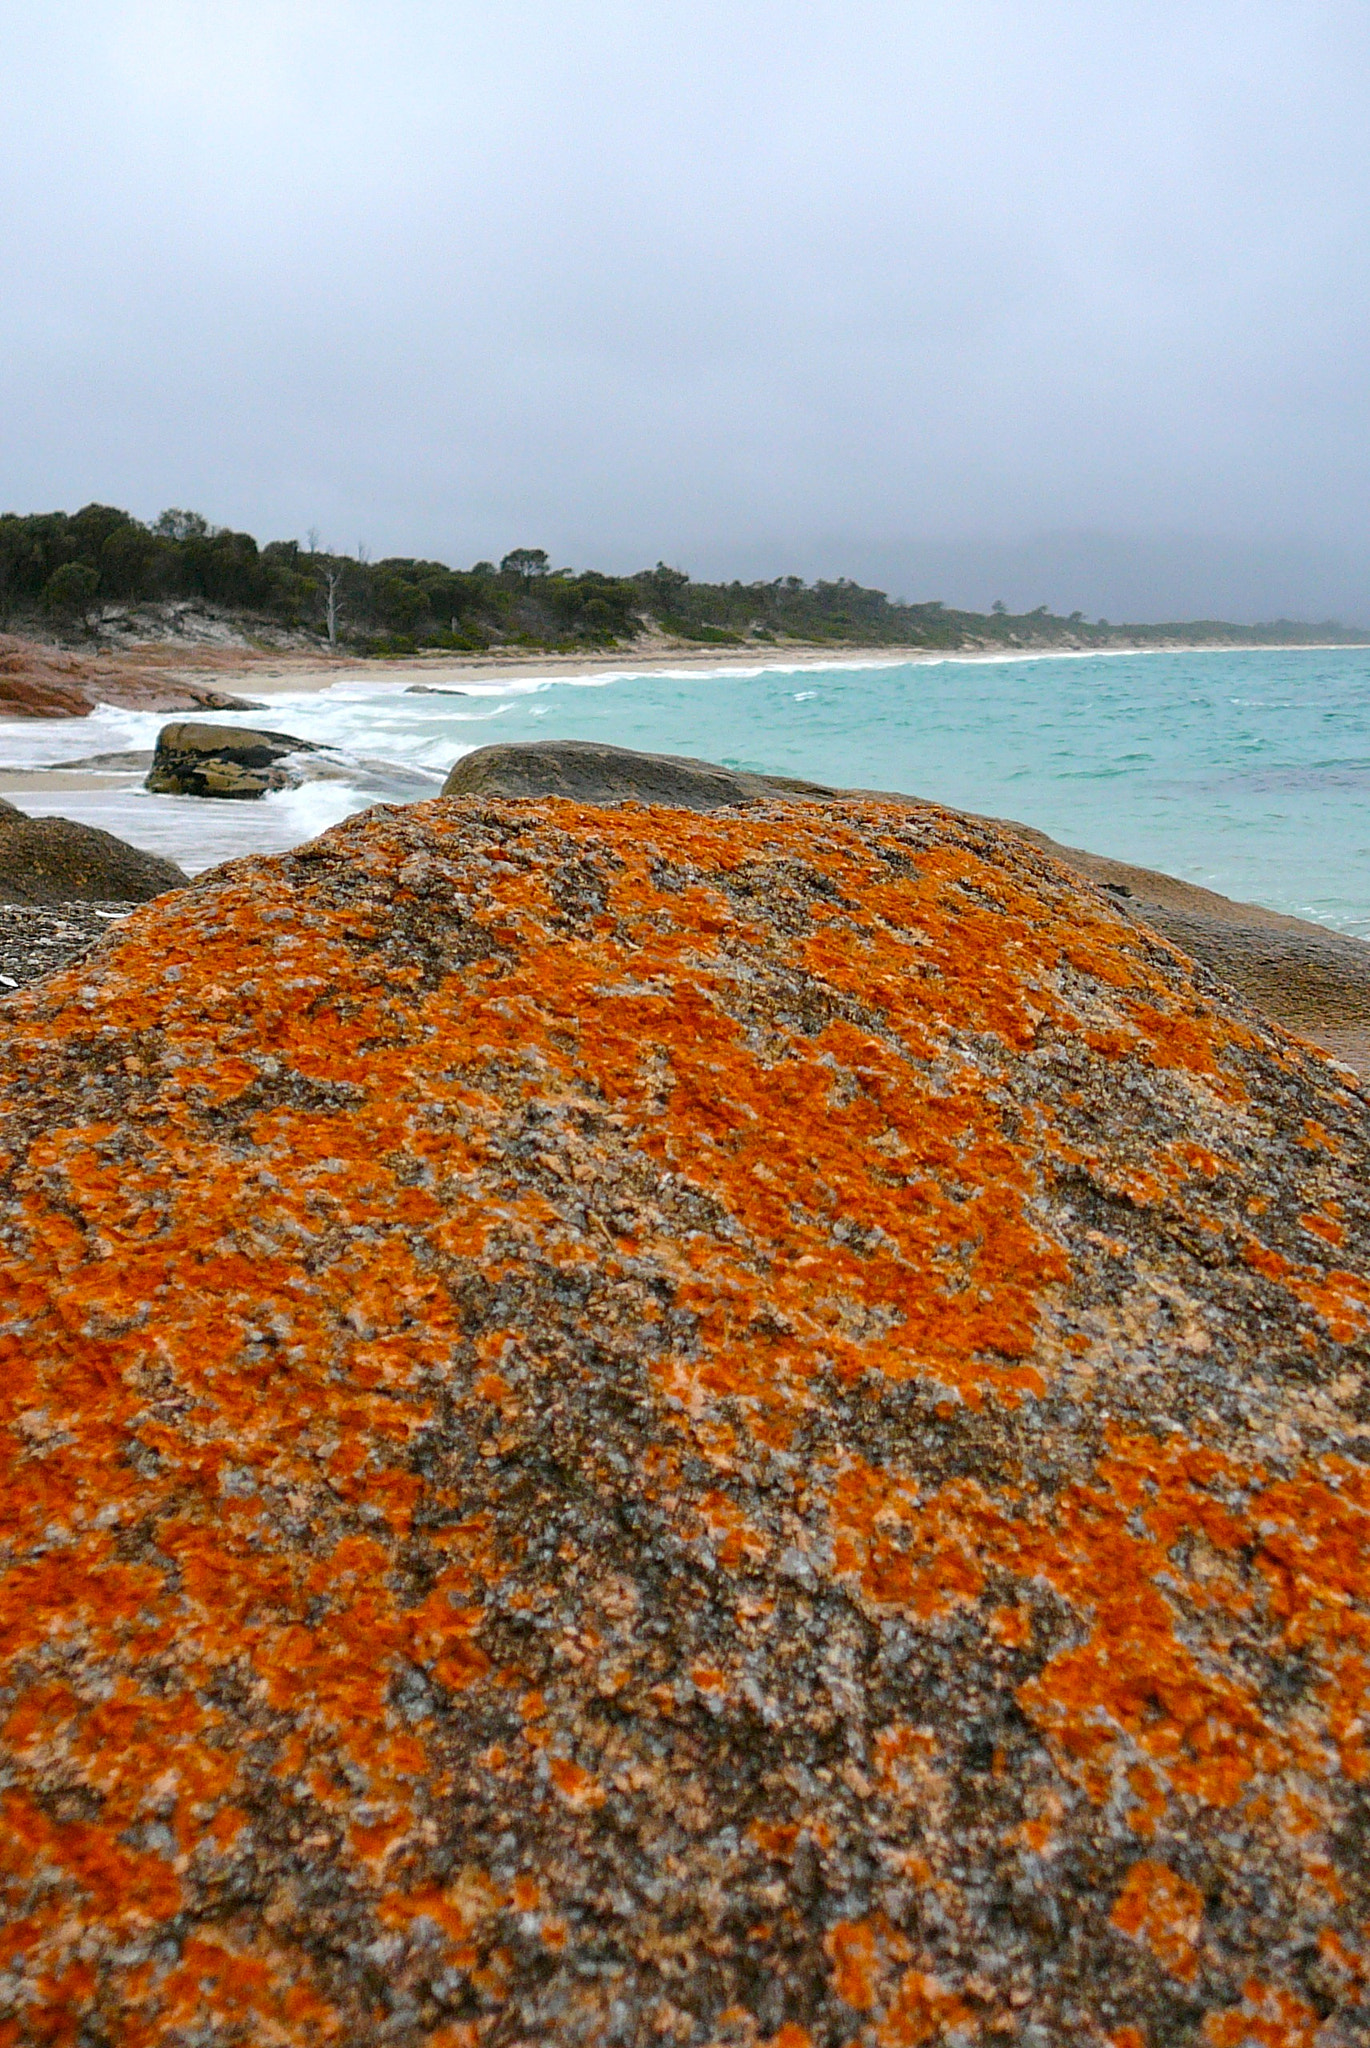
[[1246, 771]]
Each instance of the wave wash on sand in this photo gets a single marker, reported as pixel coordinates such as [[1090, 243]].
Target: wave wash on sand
[[629, 1426]]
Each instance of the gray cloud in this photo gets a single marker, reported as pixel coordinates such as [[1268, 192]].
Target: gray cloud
[[938, 294]]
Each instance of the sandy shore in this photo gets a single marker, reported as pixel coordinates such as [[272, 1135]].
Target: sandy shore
[[167, 676], [35, 780], [286, 675], [276, 674]]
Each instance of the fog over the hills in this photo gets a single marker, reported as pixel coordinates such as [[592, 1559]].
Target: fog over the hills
[[1063, 302]]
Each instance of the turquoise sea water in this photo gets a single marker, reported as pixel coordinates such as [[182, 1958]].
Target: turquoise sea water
[[1246, 771]]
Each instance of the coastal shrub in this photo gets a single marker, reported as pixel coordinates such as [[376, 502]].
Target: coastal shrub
[[70, 591], [686, 629]]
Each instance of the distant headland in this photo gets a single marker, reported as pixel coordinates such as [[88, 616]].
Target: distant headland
[[99, 579]]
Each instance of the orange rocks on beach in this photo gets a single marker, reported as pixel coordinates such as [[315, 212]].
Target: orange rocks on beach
[[37, 681], [623, 1426]]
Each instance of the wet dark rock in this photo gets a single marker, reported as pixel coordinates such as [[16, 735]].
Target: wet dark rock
[[222, 760], [235, 762]]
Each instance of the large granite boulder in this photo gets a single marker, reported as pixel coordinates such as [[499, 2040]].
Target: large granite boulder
[[624, 1426], [594, 774], [56, 860], [222, 760], [1307, 978]]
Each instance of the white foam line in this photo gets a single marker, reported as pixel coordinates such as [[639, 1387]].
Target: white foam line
[[359, 691]]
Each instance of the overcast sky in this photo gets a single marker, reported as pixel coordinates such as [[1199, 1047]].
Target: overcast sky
[[1059, 300]]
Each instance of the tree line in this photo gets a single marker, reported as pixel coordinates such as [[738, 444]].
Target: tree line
[[68, 571]]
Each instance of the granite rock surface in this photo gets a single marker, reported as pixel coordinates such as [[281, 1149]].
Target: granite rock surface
[[590, 772], [37, 938], [60, 861], [38, 681], [622, 1426], [193, 759], [1311, 980]]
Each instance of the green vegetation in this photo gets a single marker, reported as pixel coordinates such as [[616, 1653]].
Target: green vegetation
[[69, 571]]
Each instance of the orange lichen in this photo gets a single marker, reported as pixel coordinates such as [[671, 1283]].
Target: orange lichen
[[1326, 1227], [1164, 1913], [1268, 2017], [922, 2009], [1342, 1299], [576, 1786], [1012, 1625], [909, 2006], [857, 1964], [517, 1380]]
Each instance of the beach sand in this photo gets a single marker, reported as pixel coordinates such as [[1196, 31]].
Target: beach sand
[[264, 673], [270, 673], [279, 675]]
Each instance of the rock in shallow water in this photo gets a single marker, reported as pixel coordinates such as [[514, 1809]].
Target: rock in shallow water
[[221, 760], [236, 762], [626, 1427]]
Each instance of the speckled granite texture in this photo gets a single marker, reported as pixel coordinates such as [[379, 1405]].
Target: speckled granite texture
[[631, 1427], [37, 938]]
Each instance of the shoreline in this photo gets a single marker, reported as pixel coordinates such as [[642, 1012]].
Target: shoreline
[[137, 672], [313, 675], [52, 769]]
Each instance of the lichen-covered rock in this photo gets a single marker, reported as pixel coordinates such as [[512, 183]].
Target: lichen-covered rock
[[1311, 980], [629, 1427], [38, 681]]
